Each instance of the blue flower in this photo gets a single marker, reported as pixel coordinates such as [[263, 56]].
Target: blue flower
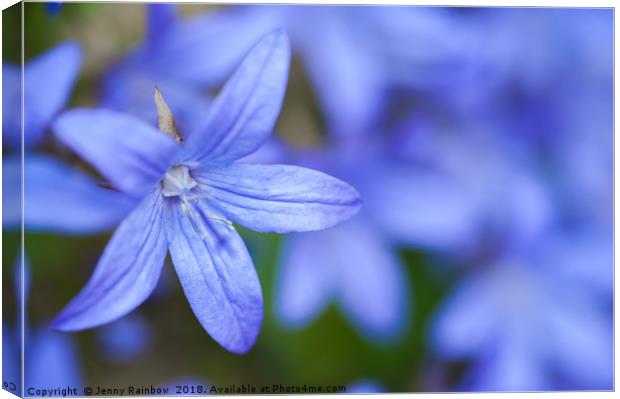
[[524, 64], [533, 312], [57, 197], [355, 55], [191, 191], [355, 264], [529, 324]]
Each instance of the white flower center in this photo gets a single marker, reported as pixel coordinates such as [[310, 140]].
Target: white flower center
[[177, 181]]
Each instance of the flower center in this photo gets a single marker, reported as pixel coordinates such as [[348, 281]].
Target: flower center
[[177, 181]]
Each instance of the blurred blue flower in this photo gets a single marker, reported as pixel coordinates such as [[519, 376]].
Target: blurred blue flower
[[57, 197], [354, 55], [191, 193], [528, 325], [355, 264], [125, 338], [533, 312], [526, 73]]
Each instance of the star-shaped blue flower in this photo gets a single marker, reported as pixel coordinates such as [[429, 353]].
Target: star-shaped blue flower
[[191, 192]]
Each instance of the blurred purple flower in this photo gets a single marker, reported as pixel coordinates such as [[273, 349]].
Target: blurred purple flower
[[57, 196], [190, 195]]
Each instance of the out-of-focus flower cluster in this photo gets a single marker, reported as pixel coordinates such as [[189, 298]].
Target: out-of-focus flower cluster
[[480, 138]]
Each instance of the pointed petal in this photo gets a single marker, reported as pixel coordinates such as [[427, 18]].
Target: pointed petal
[[344, 74], [45, 97], [217, 275], [127, 271], [244, 113], [279, 198], [372, 286], [11, 106], [60, 198], [305, 279], [132, 154]]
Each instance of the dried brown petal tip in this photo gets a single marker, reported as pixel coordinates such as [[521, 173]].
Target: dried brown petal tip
[[165, 119]]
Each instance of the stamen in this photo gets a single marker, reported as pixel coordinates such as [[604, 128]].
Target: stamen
[[177, 182], [165, 119]]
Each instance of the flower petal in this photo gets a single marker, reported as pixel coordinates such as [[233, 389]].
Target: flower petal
[[279, 198], [305, 279], [63, 199], [132, 154], [244, 113], [420, 208], [45, 97], [509, 364], [159, 19], [205, 48], [345, 75], [11, 106], [583, 331], [217, 274], [466, 321], [372, 288], [127, 271]]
